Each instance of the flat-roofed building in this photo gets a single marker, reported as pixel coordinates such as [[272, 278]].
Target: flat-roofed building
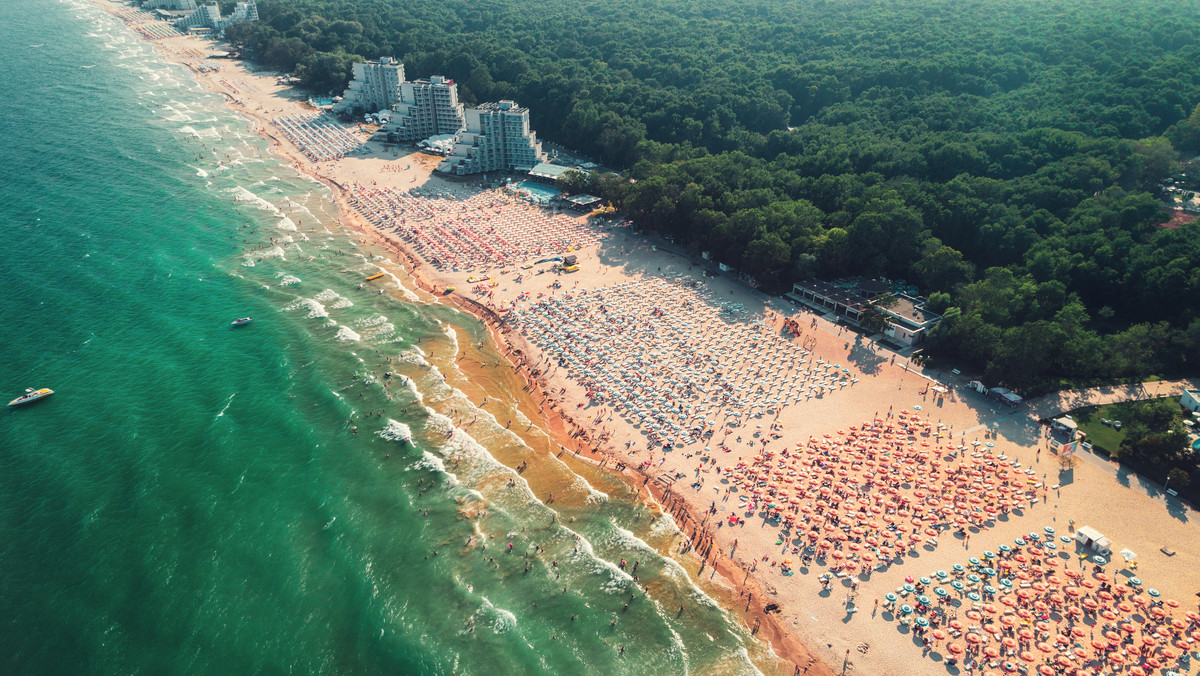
[[185, 5], [907, 319], [496, 138], [425, 108], [209, 16], [375, 87]]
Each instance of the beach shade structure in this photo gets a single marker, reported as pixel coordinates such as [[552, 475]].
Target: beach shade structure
[[941, 592], [1135, 581], [925, 581], [958, 585], [890, 597], [1154, 592], [1048, 530], [906, 609], [974, 596], [923, 600], [1099, 560], [941, 575], [922, 621]]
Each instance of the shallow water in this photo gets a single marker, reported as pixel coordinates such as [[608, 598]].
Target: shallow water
[[193, 499]]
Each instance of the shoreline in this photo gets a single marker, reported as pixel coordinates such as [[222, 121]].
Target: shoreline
[[562, 428], [1104, 499]]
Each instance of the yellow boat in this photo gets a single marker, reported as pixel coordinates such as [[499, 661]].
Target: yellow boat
[[374, 277], [570, 268]]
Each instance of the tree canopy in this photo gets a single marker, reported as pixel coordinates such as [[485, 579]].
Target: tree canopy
[[1001, 155]]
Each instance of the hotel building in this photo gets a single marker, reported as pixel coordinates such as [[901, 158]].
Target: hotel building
[[497, 138]]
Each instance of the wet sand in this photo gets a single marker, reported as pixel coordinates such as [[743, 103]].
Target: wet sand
[[815, 631]]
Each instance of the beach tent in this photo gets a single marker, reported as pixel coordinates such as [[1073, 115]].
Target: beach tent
[[1090, 537], [1127, 555]]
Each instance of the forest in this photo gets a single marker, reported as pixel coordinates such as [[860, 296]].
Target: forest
[[1003, 156]]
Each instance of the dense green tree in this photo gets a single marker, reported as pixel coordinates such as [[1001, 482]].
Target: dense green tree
[[1003, 156]]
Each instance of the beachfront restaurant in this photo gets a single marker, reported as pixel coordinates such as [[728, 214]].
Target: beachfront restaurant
[[907, 319], [582, 202], [547, 172], [843, 302]]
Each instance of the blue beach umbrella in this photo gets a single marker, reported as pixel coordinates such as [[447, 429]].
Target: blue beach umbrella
[[941, 592], [942, 575], [974, 596], [958, 585], [906, 609]]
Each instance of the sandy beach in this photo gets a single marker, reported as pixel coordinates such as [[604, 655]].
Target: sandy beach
[[693, 388]]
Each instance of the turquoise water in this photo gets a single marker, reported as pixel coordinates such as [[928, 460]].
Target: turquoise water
[[541, 192], [199, 499]]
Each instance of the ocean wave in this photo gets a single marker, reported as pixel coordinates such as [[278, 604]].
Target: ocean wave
[[244, 195], [495, 618], [396, 431], [287, 280], [347, 335], [336, 300], [315, 309]]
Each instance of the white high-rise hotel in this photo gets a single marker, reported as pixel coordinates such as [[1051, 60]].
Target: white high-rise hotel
[[497, 138], [426, 108], [375, 87]]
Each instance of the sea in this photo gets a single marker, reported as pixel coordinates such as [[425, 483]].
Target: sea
[[322, 491]]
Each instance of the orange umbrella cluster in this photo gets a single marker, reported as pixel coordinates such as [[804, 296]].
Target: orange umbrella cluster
[[1076, 622], [869, 494]]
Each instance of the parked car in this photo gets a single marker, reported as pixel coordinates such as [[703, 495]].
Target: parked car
[[1105, 421], [1117, 424]]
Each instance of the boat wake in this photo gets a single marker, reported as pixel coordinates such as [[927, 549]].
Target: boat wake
[[227, 403]]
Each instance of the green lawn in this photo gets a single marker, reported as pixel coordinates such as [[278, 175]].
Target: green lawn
[[1105, 439]]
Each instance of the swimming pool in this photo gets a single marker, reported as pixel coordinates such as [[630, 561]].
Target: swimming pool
[[540, 192]]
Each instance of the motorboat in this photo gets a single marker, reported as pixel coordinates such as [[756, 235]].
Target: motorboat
[[31, 395], [241, 322]]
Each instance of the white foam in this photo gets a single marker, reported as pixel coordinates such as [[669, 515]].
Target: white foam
[[433, 463], [498, 619], [396, 431], [315, 309], [286, 223], [347, 335], [243, 195], [336, 300], [288, 280]]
